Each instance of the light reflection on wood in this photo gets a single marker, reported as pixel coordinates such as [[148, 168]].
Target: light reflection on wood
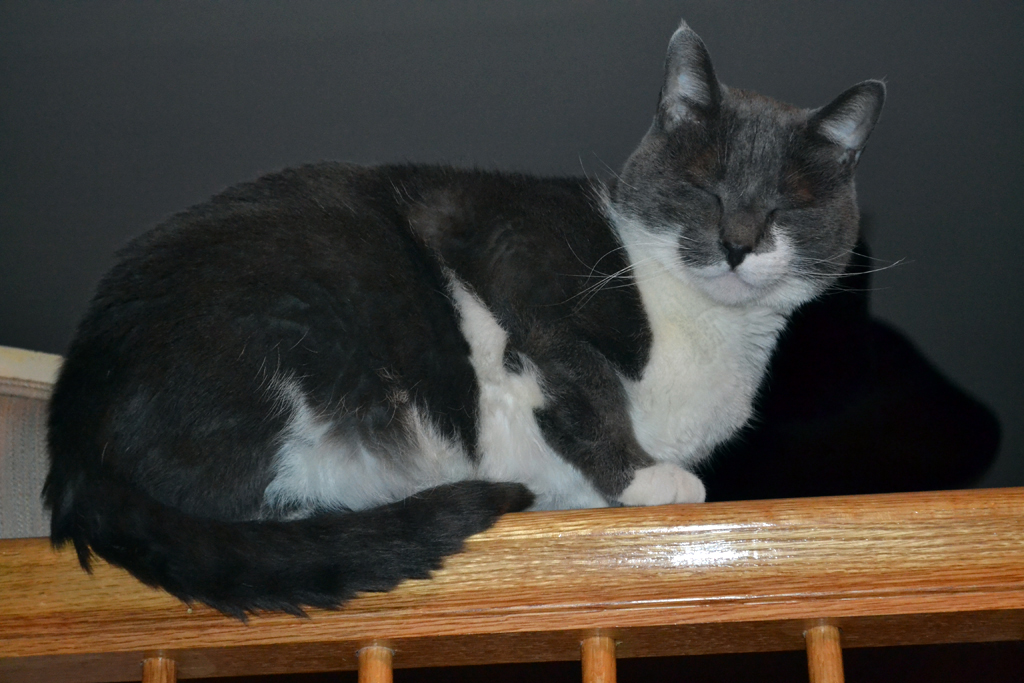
[[900, 569]]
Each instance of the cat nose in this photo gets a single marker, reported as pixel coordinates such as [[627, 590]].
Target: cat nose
[[741, 231], [735, 253]]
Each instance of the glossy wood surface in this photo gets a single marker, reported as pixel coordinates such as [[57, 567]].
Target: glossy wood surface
[[824, 654], [727, 577]]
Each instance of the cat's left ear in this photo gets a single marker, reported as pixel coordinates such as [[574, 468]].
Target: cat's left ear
[[848, 120], [691, 91]]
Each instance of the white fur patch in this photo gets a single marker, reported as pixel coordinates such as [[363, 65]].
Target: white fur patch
[[761, 280], [316, 468], [663, 484], [511, 445], [707, 359], [713, 333]]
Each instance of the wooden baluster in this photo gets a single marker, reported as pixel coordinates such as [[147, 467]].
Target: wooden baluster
[[599, 660], [375, 664], [159, 670], [824, 654]]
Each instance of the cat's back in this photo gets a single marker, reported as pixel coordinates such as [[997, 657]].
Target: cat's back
[[302, 288], [354, 249], [328, 286], [332, 210], [318, 250]]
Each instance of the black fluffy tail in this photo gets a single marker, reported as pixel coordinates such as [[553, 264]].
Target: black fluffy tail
[[240, 567]]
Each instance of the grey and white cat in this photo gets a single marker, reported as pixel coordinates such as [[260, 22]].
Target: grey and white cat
[[321, 382]]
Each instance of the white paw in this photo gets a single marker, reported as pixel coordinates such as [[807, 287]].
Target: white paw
[[662, 484]]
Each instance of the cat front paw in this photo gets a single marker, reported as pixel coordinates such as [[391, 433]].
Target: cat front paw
[[662, 484]]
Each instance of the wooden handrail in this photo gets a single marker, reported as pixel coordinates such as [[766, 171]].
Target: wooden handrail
[[725, 577]]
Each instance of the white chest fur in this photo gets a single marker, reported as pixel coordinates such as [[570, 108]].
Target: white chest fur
[[510, 442], [707, 362]]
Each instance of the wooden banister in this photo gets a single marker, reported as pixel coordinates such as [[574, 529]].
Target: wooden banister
[[824, 654], [375, 664], [725, 577], [159, 670], [598, 659]]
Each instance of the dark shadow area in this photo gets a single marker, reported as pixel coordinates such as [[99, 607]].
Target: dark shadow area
[[851, 406], [960, 663]]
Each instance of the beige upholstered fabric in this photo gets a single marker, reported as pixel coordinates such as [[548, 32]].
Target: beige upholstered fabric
[[26, 378]]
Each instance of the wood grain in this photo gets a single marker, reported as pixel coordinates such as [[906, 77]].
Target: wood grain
[[824, 654], [375, 664], [729, 577], [598, 655], [159, 670]]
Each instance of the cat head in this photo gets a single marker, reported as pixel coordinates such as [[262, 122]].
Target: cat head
[[749, 199]]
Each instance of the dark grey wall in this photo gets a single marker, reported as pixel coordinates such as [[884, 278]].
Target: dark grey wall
[[113, 114]]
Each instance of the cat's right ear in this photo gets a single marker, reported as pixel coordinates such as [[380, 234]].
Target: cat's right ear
[[691, 92], [848, 120]]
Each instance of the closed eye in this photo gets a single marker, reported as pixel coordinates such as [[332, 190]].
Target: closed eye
[[709, 193]]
